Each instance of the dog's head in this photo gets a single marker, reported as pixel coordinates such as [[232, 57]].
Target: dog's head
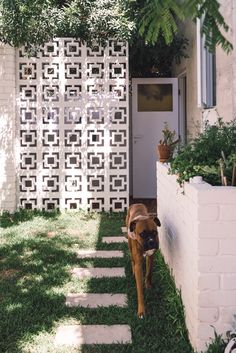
[[146, 233]]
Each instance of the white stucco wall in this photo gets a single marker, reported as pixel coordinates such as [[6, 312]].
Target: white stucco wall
[[7, 129], [188, 67], [225, 73], [198, 241]]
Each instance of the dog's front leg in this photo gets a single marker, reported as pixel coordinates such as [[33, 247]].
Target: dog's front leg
[[149, 270], [138, 269]]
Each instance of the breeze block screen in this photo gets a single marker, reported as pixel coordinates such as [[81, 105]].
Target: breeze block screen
[[72, 123]]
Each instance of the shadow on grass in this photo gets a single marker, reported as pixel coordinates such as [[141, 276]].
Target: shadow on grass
[[29, 270], [33, 272], [8, 219]]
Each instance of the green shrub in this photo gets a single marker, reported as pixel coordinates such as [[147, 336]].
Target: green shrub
[[213, 147]]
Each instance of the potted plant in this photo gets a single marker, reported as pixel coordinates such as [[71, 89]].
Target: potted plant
[[165, 148]]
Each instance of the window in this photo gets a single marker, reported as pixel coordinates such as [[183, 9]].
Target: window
[[155, 97], [206, 72]]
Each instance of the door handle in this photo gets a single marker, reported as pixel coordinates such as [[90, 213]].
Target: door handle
[[138, 137]]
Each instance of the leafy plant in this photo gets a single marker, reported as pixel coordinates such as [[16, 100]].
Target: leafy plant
[[168, 136], [32, 23], [163, 17], [217, 345], [203, 155], [155, 60]]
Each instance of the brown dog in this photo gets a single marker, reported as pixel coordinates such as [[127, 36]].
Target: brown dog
[[143, 242]]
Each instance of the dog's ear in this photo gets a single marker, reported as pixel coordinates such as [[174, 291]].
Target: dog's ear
[[132, 226], [157, 221]]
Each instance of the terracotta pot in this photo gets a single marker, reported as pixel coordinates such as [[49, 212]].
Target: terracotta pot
[[164, 152]]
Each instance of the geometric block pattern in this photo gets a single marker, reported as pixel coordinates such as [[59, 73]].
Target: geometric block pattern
[[72, 119]]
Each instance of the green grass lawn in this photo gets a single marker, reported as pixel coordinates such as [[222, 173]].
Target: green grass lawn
[[36, 253]]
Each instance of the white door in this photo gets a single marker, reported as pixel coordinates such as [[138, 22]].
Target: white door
[[154, 102]]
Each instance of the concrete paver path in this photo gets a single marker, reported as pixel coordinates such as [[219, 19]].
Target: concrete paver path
[[95, 300], [111, 240], [98, 272], [104, 254], [76, 335]]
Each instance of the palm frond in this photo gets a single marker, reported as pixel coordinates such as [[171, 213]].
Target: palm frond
[[160, 17]]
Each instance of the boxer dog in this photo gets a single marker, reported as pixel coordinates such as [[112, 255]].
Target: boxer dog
[[143, 242]]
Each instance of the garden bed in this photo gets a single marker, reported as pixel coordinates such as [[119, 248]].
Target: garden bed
[[198, 241]]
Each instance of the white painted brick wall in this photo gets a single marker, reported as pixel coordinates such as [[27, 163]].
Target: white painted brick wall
[[7, 129], [198, 241]]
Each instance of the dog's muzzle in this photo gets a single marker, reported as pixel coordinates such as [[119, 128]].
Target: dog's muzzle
[[150, 244], [149, 252]]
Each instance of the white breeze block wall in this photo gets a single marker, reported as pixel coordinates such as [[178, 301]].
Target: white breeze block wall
[[7, 128], [198, 241]]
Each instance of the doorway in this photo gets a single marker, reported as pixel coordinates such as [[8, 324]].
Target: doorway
[[154, 102]]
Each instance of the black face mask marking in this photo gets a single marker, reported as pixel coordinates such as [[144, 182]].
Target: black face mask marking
[[150, 240]]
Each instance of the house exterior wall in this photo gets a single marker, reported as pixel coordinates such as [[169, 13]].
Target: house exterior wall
[[198, 241], [225, 74], [7, 128]]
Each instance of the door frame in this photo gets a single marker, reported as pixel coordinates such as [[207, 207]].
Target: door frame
[[182, 84], [135, 82]]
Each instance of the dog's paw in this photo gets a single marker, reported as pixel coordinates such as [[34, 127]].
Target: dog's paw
[[148, 284], [141, 314]]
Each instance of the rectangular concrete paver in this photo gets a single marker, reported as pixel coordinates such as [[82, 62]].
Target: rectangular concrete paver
[[93, 300], [104, 254], [76, 335], [124, 229], [110, 240], [98, 272]]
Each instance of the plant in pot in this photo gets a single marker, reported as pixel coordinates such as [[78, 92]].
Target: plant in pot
[[166, 145], [211, 154]]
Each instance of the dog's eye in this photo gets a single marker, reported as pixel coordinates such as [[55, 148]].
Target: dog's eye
[[143, 234]]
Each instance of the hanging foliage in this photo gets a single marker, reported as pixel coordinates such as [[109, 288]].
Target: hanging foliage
[[33, 22], [150, 26]]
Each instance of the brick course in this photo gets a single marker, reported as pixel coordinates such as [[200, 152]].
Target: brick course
[[198, 241]]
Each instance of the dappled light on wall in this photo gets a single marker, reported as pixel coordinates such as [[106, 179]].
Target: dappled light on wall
[[72, 114]]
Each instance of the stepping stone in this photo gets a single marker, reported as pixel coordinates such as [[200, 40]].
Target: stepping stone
[[98, 272], [93, 300], [104, 254], [77, 335], [110, 240], [75, 232], [124, 229]]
